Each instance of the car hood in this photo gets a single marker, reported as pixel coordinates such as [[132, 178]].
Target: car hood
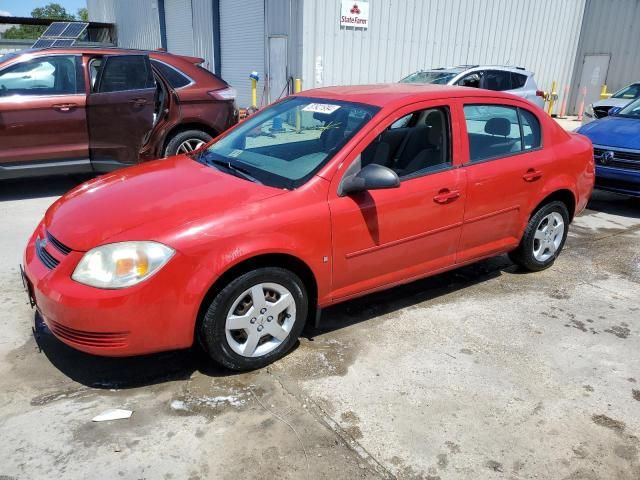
[[613, 102], [161, 195], [614, 131]]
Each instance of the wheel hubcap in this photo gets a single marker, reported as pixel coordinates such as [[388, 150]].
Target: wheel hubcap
[[548, 236], [190, 145], [260, 319]]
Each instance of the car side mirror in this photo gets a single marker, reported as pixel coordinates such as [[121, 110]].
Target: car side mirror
[[371, 177], [614, 110]]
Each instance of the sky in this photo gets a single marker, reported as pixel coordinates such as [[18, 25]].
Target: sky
[[22, 8]]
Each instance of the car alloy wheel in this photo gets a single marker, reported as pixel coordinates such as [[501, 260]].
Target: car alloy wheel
[[548, 236], [260, 319], [189, 145]]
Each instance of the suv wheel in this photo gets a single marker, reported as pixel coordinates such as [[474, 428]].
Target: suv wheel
[[543, 238], [256, 319], [186, 142]]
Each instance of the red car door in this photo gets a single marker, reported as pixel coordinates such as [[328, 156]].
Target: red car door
[[42, 114], [504, 167], [121, 109], [382, 237]]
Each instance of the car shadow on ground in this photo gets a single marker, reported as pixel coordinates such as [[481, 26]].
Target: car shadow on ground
[[614, 204], [133, 372], [39, 187]]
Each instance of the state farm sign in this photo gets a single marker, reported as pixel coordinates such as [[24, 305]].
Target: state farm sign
[[354, 14]]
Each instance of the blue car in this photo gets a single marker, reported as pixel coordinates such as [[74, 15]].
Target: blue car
[[616, 148]]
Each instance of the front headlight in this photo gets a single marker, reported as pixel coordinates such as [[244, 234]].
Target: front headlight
[[589, 111], [120, 265]]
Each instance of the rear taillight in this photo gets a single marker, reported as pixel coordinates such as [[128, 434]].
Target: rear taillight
[[224, 94], [540, 93]]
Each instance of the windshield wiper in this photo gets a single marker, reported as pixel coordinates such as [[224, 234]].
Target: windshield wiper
[[234, 168]]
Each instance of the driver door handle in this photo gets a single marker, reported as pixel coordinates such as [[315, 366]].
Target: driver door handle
[[138, 101], [445, 196], [64, 107]]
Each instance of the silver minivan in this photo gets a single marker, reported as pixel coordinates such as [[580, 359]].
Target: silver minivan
[[514, 80]]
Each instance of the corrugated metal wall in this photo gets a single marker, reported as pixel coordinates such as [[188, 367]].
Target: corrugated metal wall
[[242, 41], [137, 22], [611, 27], [409, 35], [180, 28], [203, 32]]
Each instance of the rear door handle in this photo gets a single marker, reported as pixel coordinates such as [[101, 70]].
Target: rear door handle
[[64, 107], [532, 175], [445, 196], [138, 101]]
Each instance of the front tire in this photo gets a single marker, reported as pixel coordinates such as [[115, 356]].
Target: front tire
[[186, 142], [255, 319], [543, 238]]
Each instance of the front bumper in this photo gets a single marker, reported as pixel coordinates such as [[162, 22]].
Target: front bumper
[[618, 180], [153, 316]]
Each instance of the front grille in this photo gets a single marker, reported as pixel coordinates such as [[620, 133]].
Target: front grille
[[62, 248], [45, 257], [89, 339], [600, 112], [621, 159]]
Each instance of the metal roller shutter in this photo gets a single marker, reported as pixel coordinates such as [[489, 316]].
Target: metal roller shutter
[[242, 45], [179, 22]]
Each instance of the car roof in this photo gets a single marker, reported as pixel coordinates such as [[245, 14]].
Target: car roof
[[106, 51], [467, 68], [384, 94]]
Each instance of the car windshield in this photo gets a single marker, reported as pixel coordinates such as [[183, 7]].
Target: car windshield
[[630, 92], [632, 110], [286, 144], [433, 76]]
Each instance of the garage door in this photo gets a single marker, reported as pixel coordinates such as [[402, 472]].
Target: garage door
[[242, 45], [179, 26]]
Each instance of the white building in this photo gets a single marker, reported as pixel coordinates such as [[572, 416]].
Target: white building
[[333, 42]]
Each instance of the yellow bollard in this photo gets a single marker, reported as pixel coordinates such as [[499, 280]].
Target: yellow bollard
[[552, 97], [603, 93], [297, 88], [254, 93]]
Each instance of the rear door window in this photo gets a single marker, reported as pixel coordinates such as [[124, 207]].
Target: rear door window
[[124, 72], [496, 131]]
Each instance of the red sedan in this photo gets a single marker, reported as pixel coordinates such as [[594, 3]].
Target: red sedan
[[322, 197]]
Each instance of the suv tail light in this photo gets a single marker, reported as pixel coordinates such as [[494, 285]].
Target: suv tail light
[[540, 93], [224, 94]]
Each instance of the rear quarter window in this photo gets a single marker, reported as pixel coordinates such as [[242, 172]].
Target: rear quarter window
[[517, 80], [172, 75]]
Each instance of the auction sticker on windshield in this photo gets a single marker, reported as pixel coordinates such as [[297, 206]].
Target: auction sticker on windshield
[[321, 108]]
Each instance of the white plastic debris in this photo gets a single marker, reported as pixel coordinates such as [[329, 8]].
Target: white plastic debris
[[112, 414]]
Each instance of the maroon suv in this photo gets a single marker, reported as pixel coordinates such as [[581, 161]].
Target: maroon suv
[[74, 110]]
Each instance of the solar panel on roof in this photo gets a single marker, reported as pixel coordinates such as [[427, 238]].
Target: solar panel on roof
[[74, 30], [43, 43], [55, 29], [64, 42]]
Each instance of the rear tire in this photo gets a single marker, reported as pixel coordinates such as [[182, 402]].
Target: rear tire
[[186, 142], [543, 238], [255, 319]]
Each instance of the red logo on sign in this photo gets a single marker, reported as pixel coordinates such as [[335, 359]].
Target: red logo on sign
[[355, 10]]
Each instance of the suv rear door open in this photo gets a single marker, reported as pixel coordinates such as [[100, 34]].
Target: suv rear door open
[[120, 110]]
